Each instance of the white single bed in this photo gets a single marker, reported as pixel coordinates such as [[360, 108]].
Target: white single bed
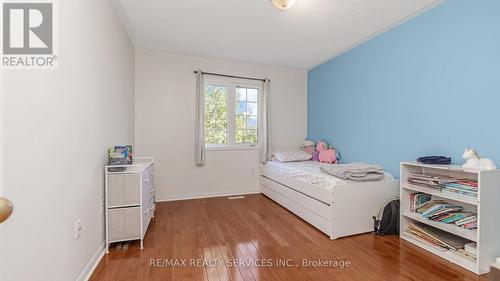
[[336, 207]]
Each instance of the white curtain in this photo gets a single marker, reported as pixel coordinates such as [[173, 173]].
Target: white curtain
[[200, 119], [266, 150]]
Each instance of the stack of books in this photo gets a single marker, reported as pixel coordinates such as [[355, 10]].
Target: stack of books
[[430, 181], [445, 183], [465, 254], [441, 211], [465, 187], [441, 240], [471, 249], [468, 222], [438, 210]]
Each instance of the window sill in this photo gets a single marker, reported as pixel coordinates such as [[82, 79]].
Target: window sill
[[231, 148]]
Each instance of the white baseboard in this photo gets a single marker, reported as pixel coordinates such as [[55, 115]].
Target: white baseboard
[[179, 197], [90, 267]]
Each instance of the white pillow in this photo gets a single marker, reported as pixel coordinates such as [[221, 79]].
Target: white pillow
[[292, 156]]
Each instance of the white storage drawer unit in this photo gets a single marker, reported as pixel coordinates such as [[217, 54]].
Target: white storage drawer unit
[[124, 223], [123, 189], [130, 201]]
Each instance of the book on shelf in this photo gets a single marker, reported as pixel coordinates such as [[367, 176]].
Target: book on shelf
[[431, 181], [468, 222], [438, 207], [472, 194], [470, 183], [455, 217], [424, 239], [465, 220], [418, 199], [443, 217], [437, 237], [440, 240], [458, 185], [469, 188], [470, 225], [445, 183], [441, 211], [466, 255], [425, 206], [471, 248]]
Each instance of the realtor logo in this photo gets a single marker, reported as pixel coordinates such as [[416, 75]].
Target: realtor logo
[[28, 35]]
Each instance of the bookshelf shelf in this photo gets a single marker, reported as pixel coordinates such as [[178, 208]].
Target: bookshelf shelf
[[447, 254], [443, 194], [485, 206], [452, 228], [454, 168]]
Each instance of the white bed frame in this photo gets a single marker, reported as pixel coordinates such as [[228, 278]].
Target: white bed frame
[[345, 210]]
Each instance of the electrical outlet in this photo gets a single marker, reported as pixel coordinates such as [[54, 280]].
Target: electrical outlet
[[102, 206], [78, 228]]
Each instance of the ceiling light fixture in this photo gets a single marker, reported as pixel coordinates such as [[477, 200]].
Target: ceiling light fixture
[[283, 4]]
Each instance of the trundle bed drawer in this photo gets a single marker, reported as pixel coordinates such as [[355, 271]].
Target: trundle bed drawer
[[315, 220], [312, 204]]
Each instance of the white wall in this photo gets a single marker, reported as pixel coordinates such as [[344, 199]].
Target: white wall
[[165, 124], [58, 126], [2, 108]]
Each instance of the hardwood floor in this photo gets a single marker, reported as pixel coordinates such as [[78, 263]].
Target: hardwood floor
[[253, 235]]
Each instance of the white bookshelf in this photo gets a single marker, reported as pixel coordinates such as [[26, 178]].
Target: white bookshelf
[[486, 205]]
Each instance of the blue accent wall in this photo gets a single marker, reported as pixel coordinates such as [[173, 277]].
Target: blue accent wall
[[430, 86]]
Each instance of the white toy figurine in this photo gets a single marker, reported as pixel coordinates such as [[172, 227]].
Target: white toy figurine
[[474, 161]]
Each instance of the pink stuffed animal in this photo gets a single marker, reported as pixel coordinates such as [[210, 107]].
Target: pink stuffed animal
[[326, 155]]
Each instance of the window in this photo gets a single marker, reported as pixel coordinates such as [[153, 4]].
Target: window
[[246, 115], [232, 113], [216, 117]]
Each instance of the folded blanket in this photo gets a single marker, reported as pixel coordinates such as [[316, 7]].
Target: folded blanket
[[357, 171]]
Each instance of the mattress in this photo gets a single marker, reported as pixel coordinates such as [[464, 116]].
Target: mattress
[[309, 172]]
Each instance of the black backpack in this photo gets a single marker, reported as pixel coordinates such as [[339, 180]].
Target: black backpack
[[387, 221]]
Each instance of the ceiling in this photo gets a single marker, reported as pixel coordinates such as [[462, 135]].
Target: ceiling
[[253, 31]]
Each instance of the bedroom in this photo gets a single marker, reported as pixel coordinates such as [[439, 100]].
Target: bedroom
[[210, 95]]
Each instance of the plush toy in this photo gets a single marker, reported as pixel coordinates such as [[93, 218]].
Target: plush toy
[[321, 146], [326, 155], [308, 146], [315, 156], [474, 161]]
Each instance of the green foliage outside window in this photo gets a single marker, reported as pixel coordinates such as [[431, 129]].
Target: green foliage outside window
[[217, 115], [216, 111]]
